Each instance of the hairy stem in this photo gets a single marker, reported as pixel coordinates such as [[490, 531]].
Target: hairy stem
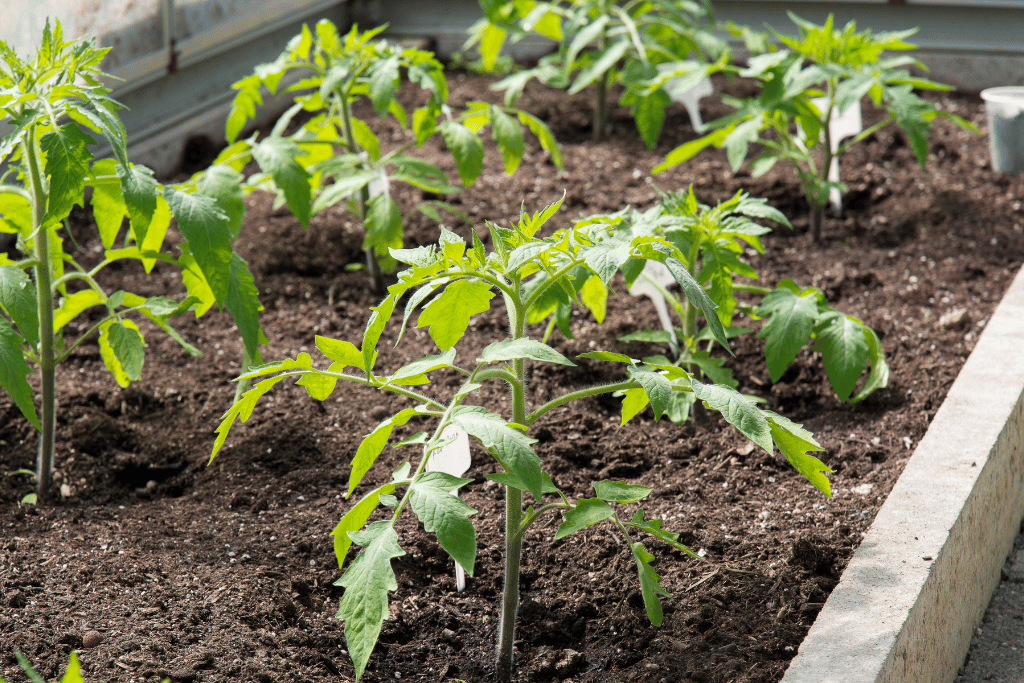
[[513, 515], [574, 395], [47, 360], [362, 199]]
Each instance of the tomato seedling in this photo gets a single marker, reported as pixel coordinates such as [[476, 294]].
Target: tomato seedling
[[640, 45], [329, 73], [839, 65], [712, 240], [449, 283], [54, 103]]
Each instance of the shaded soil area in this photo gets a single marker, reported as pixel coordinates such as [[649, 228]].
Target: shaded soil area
[[154, 563]]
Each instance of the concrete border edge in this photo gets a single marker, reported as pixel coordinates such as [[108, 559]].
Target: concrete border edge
[[918, 585]]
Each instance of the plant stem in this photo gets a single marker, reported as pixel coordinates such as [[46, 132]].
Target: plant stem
[[575, 395], [513, 514], [47, 363], [601, 102], [362, 199], [601, 108], [817, 216]]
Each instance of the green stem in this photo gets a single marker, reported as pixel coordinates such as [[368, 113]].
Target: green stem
[[370, 383], [575, 395], [601, 102], [47, 361], [513, 511], [528, 522], [753, 289], [362, 198]]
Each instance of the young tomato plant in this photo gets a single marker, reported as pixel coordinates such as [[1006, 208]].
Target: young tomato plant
[[452, 282], [54, 103], [336, 71], [605, 43], [711, 241], [839, 65]]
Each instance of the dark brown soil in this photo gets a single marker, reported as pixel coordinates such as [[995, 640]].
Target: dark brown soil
[[226, 572]]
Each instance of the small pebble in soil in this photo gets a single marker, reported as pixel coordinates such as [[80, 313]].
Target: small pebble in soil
[[378, 412], [92, 639]]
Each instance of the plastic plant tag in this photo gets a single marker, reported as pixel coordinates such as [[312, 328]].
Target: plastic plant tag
[[653, 274], [690, 98], [454, 459], [841, 126], [380, 185]]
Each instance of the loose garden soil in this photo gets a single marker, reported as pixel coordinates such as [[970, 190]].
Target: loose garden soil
[[155, 564]]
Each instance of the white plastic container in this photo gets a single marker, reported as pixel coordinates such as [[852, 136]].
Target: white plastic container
[[1005, 109]]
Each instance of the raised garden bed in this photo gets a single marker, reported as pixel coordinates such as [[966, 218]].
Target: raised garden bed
[[226, 573]]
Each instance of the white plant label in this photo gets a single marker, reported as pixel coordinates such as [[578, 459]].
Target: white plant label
[[841, 126], [689, 97], [644, 285], [454, 459]]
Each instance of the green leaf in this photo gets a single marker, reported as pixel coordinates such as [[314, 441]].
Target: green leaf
[[74, 304], [657, 388], [383, 81], [594, 296], [844, 350], [544, 135], [795, 442], [366, 139], [588, 511], [509, 479], [355, 518], [278, 157], [633, 403], [383, 225], [738, 411], [122, 349], [713, 368], [879, 375], [420, 367], [649, 113], [605, 258], [697, 295], [13, 372], [445, 515], [650, 583], [609, 356], [467, 149], [524, 254], [15, 214], [654, 336], [207, 229], [448, 315], [73, 674], [653, 527], [242, 302], [524, 347], [688, 150], [374, 443], [367, 582], [140, 190], [224, 184], [791, 320], [18, 300], [510, 446], [108, 205], [67, 164], [509, 136], [608, 58], [620, 491], [343, 352], [243, 407]]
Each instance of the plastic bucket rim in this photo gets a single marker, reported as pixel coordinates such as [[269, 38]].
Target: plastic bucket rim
[[1004, 94]]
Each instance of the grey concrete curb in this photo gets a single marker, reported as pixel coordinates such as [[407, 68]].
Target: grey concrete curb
[[918, 585]]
